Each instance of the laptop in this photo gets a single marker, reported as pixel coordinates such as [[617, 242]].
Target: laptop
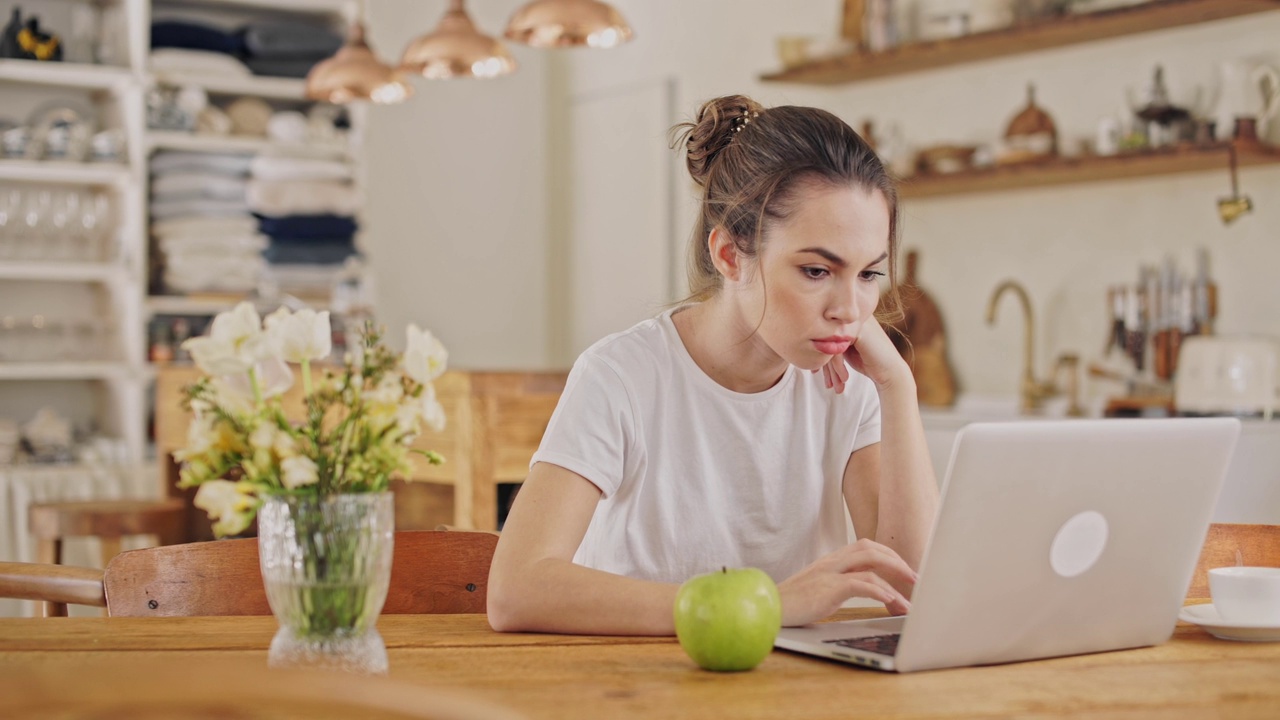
[[1053, 537]]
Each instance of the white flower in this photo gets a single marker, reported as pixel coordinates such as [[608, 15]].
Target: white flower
[[424, 356], [304, 335], [215, 357], [234, 344], [285, 446], [274, 378], [432, 410], [201, 437], [408, 420], [388, 391], [298, 470], [263, 437], [227, 504]]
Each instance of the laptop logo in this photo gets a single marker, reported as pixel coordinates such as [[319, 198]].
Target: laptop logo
[[1078, 544]]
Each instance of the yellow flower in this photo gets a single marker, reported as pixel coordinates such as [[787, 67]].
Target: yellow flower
[[298, 471], [228, 504]]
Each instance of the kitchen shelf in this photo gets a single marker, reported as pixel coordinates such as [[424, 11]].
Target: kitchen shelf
[[1040, 35], [182, 305], [314, 7], [62, 370], [59, 271], [61, 74], [1067, 171], [210, 306], [167, 140], [63, 172], [206, 143], [275, 88]]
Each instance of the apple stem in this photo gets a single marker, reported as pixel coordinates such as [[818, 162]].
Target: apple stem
[[724, 569]]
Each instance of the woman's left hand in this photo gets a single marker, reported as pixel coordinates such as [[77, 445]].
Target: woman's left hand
[[872, 354]]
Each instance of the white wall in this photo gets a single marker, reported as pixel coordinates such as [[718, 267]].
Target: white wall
[[1065, 244], [456, 215]]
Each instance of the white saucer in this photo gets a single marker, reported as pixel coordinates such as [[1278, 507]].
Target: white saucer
[[1206, 616]]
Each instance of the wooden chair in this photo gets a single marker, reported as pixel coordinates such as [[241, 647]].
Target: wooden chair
[[229, 688], [431, 572], [1232, 544], [107, 520]]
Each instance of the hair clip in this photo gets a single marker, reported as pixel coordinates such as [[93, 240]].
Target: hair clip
[[743, 120]]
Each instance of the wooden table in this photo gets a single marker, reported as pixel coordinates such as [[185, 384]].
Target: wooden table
[[556, 676]]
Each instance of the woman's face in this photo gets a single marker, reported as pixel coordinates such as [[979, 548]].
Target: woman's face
[[816, 278]]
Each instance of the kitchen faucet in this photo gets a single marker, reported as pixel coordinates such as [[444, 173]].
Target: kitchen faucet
[[1035, 392]]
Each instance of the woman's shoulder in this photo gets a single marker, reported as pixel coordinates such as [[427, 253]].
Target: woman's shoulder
[[639, 345]]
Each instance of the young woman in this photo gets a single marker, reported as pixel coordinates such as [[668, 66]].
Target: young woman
[[731, 431]]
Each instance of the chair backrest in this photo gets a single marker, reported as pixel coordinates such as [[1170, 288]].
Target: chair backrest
[[1255, 545], [431, 572]]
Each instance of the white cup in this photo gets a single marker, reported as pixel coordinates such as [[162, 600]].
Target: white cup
[[1246, 594]]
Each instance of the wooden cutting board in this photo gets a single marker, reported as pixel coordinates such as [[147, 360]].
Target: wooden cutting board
[[921, 339]]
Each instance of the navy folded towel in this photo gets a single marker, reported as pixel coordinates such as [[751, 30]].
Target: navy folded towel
[[304, 227], [289, 41], [310, 251], [194, 36]]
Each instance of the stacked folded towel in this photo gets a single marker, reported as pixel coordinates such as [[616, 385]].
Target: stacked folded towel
[[305, 205], [276, 48], [202, 225]]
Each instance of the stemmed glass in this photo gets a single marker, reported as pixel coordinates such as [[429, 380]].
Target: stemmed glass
[[10, 212]]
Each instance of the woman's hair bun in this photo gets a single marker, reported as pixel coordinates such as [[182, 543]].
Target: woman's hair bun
[[712, 131]]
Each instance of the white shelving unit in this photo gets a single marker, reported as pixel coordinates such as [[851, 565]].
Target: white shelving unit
[[63, 173], [60, 271], [117, 289], [263, 87], [67, 371], [66, 75]]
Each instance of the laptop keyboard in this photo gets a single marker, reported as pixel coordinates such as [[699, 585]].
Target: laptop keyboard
[[882, 644]]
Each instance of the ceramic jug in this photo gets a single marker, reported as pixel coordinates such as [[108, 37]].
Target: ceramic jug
[[1246, 88]]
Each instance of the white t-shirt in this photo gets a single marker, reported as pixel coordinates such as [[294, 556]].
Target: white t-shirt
[[695, 476]]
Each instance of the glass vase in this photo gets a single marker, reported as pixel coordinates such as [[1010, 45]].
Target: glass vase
[[326, 566]]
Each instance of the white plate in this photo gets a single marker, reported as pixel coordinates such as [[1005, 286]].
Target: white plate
[[1206, 616]]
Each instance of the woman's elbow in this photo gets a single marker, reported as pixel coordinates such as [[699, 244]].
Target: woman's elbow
[[503, 603]]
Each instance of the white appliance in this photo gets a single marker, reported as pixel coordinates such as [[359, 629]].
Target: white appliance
[[1227, 376]]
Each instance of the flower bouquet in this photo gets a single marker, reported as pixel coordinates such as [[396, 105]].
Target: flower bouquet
[[318, 482]]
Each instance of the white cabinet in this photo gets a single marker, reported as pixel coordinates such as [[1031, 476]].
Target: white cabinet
[[1250, 493], [73, 322]]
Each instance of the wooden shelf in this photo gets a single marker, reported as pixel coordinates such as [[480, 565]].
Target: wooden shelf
[[63, 172], [1068, 171], [60, 74], [1042, 35]]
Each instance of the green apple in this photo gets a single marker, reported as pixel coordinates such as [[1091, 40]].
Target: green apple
[[727, 620]]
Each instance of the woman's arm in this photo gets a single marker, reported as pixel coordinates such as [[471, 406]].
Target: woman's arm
[[889, 486], [534, 584]]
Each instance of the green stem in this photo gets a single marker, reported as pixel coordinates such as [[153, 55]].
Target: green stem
[[306, 377], [257, 387]]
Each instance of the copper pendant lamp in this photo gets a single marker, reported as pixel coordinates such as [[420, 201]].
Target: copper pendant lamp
[[568, 23], [355, 73], [456, 49]]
